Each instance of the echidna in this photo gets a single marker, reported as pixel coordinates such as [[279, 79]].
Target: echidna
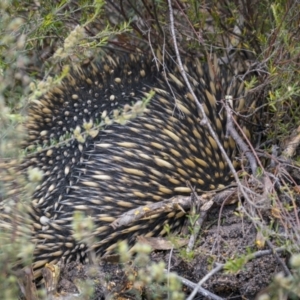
[[120, 133]]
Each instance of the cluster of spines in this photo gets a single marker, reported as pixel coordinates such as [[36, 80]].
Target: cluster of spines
[[122, 166]]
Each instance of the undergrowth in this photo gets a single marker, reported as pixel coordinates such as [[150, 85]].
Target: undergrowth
[[42, 38]]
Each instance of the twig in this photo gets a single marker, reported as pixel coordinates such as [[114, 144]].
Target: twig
[[165, 206], [195, 210], [283, 265], [200, 290], [239, 141], [200, 108], [218, 268], [169, 267], [175, 203]]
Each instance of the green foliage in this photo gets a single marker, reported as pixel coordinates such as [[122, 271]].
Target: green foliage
[[236, 264], [187, 256], [149, 276], [282, 52], [39, 38], [27, 28]]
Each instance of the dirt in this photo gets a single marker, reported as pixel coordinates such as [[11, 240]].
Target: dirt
[[235, 237]]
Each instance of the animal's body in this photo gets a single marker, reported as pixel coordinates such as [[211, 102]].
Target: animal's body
[[104, 171]]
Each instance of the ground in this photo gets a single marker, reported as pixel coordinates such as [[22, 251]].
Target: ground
[[235, 237]]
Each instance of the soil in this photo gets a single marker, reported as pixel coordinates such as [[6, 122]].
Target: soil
[[235, 237]]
